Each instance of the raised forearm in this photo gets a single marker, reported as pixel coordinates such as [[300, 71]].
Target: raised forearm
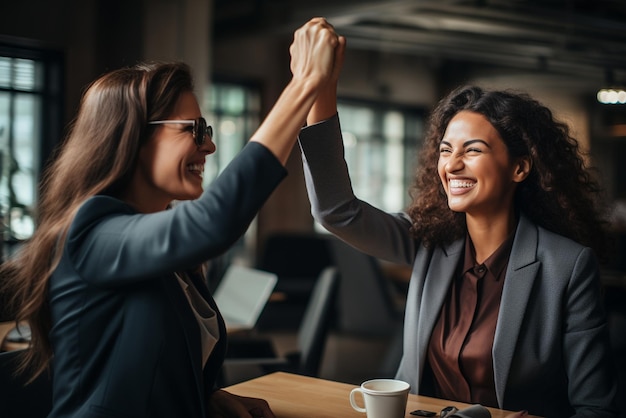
[[313, 55]]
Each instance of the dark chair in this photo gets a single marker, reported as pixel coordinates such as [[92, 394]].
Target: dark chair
[[312, 336], [297, 259], [19, 399], [367, 301], [616, 318]]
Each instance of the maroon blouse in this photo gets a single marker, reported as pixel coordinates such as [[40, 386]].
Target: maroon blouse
[[460, 346]]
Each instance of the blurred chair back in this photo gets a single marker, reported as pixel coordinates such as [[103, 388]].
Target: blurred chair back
[[316, 323], [248, 357], [367, 302], [295, 255], [17, 399], [614, 296], [298, 259]]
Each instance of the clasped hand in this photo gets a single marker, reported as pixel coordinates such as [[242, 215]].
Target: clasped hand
[[314, 52]]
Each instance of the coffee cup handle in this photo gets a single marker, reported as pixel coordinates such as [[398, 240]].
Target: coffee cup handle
[[353, 400]]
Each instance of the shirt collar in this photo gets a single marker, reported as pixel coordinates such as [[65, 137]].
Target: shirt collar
[[495, 263]]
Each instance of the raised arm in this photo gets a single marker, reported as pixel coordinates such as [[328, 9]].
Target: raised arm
[[313, 55], [325, 105]]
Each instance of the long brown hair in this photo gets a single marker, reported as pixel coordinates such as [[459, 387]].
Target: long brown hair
[[561, 194], [97, 157]]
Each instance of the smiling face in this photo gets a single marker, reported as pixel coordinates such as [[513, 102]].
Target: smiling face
[[475, 168], [170, 164]]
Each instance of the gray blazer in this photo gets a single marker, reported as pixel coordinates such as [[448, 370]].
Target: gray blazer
[[551, 350]]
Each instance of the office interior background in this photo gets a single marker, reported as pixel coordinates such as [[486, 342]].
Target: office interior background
[[402, 56]]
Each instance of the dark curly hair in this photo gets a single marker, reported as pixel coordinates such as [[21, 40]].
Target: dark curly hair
[[560, 194]]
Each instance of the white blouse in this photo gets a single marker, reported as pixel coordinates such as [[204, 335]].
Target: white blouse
[[206, 316]]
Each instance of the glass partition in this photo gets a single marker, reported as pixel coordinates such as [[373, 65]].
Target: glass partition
[[31, 87], [20, 143], [381, 144]]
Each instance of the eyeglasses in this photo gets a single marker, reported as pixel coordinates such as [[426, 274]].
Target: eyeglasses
[[200, 129]]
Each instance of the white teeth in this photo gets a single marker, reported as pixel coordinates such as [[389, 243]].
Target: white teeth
[[196, 167], [461, 184]]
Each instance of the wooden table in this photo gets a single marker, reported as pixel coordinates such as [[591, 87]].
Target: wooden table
[[295, 396]]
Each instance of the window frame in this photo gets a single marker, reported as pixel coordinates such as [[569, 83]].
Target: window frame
[[411, 141], [51, 105], [252, 117]]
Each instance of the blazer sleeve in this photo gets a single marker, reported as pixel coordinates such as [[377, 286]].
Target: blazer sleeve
[[109, 244], [551, 349], [334, 205], [591, 383]]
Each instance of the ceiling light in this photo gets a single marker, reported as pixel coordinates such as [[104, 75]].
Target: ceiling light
[[612, 96]]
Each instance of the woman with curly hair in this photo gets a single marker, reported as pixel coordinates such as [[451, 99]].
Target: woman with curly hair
[[111, 283], [503, 234]]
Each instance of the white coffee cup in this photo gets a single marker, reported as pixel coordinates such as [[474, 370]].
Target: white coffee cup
[[383, 398]]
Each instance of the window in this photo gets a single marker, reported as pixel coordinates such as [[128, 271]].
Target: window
[[29, 95], [381, 144], [234, 112]]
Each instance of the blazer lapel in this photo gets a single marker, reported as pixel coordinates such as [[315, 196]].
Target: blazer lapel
[[438, 279], [520, 276], [189, 325], [214, 364]]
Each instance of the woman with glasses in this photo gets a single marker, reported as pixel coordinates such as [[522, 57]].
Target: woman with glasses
[[504, 306], [111, 283]]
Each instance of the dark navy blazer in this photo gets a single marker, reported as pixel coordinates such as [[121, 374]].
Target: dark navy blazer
[[126, 342]]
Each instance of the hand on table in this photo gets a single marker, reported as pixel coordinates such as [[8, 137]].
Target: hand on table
[[226, 405], [518, 414]]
